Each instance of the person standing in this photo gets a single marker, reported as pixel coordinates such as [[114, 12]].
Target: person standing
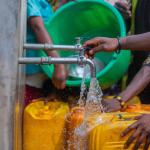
[[38, 12], [140, 23]]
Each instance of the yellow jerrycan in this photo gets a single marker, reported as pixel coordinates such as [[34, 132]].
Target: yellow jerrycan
[[43, 125]]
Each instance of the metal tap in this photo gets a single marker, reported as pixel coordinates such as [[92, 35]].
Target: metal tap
[[81, 50], [80, 59]]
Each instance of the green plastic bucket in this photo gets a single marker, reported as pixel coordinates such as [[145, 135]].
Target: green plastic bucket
[[89, 18]]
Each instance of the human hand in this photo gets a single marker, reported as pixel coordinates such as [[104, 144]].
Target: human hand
[[124, 9], [100, 44], [141, 132], [111, 105], [59, 76]]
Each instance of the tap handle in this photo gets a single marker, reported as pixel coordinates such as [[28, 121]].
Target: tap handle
[[88, 48], [78, 40]]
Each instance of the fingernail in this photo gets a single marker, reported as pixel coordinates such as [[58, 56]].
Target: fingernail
[[91, 52]]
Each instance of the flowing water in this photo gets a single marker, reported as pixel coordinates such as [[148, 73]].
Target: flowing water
[[83, 91], [94, 98], [91, 102], [93, 107]]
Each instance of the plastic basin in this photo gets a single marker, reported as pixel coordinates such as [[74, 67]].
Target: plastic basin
[[88, 19]]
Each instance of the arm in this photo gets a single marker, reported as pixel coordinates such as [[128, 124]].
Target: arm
[[140, 81], [141, 128], [42, 36], [135, 42]]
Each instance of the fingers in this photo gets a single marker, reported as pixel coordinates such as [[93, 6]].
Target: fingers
[[139, 141], [131, 127], [100, 47], [147, 143], [111, 105], [62, 84], [100, 44], [138, 117], [108, 109], [87, 55], [94, 45], [59, 76], [105, 106], [133, 137], [89, 43], [59, 83]]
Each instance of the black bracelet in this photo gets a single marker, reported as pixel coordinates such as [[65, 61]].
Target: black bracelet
[[119, 45], [119, 99]]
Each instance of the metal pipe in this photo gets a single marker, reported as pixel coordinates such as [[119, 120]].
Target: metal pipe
[[47, 60], [48, 47], [51, 60], [92, 67]]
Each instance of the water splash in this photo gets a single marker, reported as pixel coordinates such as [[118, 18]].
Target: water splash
[[93, 109], [83, 89], [91, 103], [94, 98]]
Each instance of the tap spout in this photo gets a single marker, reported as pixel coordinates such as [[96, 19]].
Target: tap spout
[[92, 67], [48, 60], [61, 60]]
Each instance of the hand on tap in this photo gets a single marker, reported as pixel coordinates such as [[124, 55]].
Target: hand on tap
[[100, 44], [133, 42]]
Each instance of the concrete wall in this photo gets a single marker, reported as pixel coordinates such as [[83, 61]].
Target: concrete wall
[[10, 49]]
